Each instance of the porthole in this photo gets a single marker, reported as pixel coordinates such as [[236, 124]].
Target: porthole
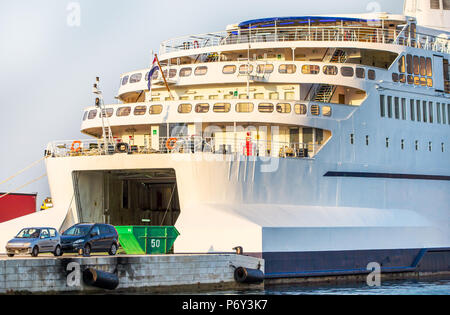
[[300, 109], [123, 111], [140, 110], [172, 73], [222, 107], [108, 112], [202, 70], [315, 110], [287, 69], [135, 78], [347, 71], [330, 70], [310, 69], [360, 73], [265, 108], [230, 69], [326, 111], [283, 108], [93, 113], [184, 108], [395, 77], [245, 69], [267, 68], [202, 108], [244, 107], [156, 109], [185, 72]]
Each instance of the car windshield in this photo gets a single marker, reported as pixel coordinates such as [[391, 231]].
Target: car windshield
[[78, 230], [29, 233]]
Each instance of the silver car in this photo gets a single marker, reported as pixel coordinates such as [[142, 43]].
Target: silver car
[[34, 241]]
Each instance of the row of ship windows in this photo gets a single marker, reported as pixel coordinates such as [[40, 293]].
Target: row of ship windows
[[402, 78], [414, 70], [288, 96], [402, 143], [394, 107], [247, 107], [260, 69], [416, 65]]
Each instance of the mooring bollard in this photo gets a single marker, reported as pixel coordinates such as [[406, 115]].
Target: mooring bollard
[[100, 279]]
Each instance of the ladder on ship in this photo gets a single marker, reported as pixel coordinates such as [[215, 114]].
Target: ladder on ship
[[336, 56], [321, 93], [324, 93], [108, 139], [339, 56]]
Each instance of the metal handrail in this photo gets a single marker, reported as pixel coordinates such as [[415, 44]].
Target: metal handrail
[[189, 145], [335, 33]]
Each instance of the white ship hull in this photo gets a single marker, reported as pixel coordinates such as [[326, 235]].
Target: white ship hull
[[293, 210]]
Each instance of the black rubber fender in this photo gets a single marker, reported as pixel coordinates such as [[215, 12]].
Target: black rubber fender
[[100, 279], [249, 276]]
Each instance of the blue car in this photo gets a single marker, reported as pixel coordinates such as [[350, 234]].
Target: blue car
[[87, 238]]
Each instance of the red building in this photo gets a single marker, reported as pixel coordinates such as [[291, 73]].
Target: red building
[[16, 205]]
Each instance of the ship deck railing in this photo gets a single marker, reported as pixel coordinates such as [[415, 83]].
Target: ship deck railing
[[333, 34], [185, 145]]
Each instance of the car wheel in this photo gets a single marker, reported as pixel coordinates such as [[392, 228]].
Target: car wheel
[[10, 255], [35, 251], [58, 251], [87, 250], [113, 249]]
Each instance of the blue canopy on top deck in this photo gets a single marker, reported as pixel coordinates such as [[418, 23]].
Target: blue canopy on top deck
[[293, 20]]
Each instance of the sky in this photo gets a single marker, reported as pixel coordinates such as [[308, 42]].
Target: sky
[[52, 50]]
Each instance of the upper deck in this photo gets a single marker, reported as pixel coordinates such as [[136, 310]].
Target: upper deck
[[381, 29], [297, 83]]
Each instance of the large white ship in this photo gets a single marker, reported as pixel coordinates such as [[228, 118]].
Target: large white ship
[[320, 143]]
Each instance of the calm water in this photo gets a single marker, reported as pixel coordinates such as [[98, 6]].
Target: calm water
[[403, 287]]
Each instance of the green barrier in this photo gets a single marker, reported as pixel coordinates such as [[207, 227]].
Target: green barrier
[[140, 240]]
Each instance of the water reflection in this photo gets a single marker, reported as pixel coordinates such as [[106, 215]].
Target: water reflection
[[404, 287]]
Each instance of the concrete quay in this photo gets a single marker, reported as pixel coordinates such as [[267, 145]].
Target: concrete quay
[[154, 273]]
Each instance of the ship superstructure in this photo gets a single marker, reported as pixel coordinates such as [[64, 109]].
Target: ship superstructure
[[319, 143]]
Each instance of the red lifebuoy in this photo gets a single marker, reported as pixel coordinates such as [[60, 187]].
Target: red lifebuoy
[[77, 149], [170, 143]]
